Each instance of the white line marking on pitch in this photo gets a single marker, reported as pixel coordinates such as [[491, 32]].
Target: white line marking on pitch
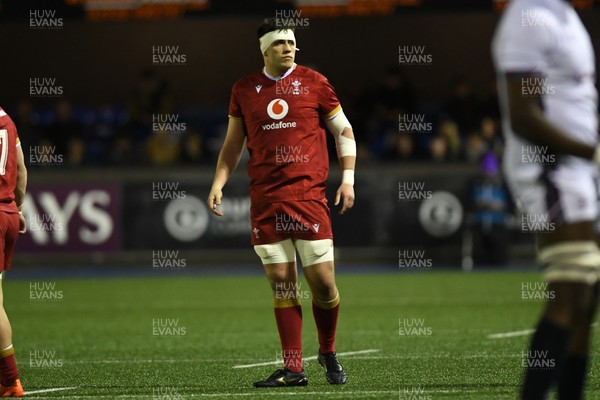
[[281, 393], [49, 390], [519, 333], [348, 353], [253, 393], [510, 334]]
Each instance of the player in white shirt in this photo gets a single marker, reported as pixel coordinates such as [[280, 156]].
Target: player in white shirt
[[545, 64]]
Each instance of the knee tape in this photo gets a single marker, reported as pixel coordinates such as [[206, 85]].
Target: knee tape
[[314, 251], [279, 252], [571, 262]]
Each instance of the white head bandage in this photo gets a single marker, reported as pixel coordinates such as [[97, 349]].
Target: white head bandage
[[279, 34]]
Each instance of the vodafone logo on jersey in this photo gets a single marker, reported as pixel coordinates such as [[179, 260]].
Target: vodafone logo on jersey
[[278, 108]]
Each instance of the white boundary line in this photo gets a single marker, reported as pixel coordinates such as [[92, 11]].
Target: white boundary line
[[510, 334], [282, 393], [524, 332], [49, 390], [348, 353], [357, 394]]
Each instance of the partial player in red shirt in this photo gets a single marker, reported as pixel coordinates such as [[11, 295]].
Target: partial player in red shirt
[[13, 181], [281, 113]]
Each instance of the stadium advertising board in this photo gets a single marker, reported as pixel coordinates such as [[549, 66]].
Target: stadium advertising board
[[426, 211], [71, 218], [171, 214]]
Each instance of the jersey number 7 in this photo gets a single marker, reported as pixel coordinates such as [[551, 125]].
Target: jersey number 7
[[3, 150]]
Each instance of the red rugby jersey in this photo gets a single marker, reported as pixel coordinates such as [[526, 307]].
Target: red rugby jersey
[[285, 132], [9, 140]]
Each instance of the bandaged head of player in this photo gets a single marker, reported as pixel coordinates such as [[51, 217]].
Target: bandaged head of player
[[272, 30]]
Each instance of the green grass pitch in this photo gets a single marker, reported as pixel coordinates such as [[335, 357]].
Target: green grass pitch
[[180, 337]]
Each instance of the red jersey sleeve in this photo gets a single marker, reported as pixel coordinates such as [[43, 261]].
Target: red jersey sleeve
[[329, 105], [9, 141], [235, 110]]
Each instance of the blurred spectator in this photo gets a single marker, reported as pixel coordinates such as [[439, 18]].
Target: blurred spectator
[[490, 233], [438, 149], [404, 148], [490, 133], [163, 149], [76, 150], [448, 130], [475, 147]]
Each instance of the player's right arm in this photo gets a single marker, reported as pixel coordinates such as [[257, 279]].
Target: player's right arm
[[21, 187], [528, 121], [229, 157], [524, 57]]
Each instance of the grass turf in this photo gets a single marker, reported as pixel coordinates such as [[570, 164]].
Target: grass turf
[[100, 338]]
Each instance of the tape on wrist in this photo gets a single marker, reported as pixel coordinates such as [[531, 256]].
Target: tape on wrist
[[348, 176]]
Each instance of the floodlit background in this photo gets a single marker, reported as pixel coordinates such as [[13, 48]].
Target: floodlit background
[[121, 107]]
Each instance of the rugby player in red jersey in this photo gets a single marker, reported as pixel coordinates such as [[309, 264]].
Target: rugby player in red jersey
[[13, 181], [280, 113]]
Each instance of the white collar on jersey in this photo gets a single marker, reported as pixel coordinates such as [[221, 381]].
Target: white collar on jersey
[[274, 78]]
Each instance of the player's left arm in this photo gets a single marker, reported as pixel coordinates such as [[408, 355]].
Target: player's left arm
[[21, 187], [345, 144]]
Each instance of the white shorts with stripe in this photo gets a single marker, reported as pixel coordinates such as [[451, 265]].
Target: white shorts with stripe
[[556, 196]]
